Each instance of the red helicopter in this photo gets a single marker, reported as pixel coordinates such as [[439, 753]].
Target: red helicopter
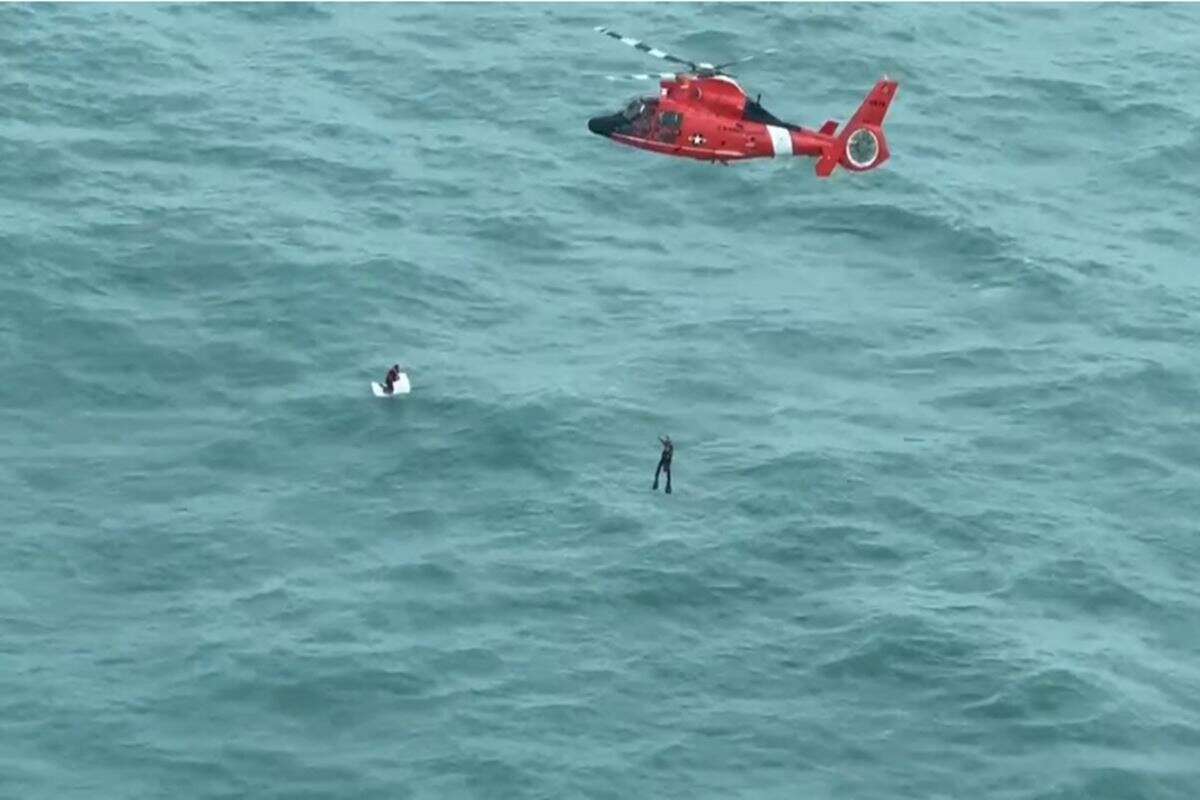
[[703, 114]]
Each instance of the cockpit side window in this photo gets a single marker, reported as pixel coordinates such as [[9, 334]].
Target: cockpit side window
[[672, 119]]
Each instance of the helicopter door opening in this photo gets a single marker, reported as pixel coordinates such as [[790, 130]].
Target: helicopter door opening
[[669, 125]]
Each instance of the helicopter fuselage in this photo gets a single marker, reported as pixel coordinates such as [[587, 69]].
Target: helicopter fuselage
[[705, 119], [712, 119]]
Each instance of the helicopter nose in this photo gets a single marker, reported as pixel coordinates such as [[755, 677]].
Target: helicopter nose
[[604, 126]]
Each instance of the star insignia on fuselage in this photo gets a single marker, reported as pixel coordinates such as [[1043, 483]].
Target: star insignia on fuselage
[[696, 139]]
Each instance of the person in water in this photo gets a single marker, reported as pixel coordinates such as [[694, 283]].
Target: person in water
[[664, 462], [392, 376]]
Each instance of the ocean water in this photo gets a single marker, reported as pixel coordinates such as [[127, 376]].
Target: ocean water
[[934, 528]]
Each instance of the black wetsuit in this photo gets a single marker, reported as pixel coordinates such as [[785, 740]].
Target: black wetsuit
[[664, 464], [389, 382]]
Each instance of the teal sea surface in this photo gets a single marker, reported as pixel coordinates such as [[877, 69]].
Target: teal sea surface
[[935, 531]]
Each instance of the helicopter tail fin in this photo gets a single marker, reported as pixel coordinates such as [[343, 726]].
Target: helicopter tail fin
[[829, 127], [861, 145]]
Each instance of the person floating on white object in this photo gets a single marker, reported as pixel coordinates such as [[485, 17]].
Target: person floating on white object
[[395, 383], [389, 383]]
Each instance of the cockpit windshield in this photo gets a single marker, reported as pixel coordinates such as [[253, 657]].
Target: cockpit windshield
[[638, 107]]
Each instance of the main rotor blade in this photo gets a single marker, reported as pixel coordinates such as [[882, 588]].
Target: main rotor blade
[[743, 60], [651, 76], [645, 48]]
